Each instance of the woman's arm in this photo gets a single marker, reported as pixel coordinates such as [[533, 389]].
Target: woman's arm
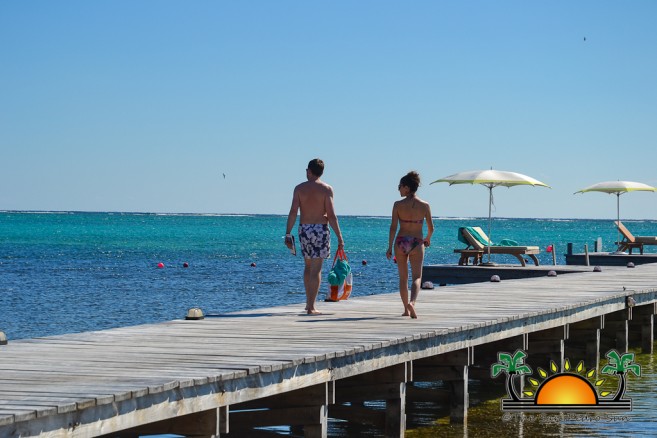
[[393, 230], [427, 239]]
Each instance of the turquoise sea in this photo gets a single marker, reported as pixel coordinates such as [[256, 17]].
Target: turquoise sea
[[64, 272]]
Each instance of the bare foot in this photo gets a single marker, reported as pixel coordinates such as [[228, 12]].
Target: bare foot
[[405, 313], [411, 310], [314, 312]]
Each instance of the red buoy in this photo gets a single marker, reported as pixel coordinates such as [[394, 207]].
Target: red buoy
[[160, 265], [364, 262], [185, 265], [253, 265]]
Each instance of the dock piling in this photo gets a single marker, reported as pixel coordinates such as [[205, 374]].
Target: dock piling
[[641, 328], [550, 344], [614, 332], [583, 343], [305, 407]]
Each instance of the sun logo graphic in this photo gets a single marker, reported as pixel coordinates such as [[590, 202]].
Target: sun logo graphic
[[569, 389]]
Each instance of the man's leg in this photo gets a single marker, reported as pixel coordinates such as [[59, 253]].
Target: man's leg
[[312, 278]]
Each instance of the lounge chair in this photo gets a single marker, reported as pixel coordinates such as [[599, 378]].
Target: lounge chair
[[478, 244], [629, 241]]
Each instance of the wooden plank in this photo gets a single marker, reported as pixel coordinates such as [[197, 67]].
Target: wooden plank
[[6, 419]]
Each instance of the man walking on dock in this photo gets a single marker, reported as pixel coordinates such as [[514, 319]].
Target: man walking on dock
[[314, 198]]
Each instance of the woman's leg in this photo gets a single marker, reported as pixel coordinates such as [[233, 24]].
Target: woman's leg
[[402, 267], [417, 259]]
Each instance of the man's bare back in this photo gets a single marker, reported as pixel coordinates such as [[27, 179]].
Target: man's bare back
[[313, 198]]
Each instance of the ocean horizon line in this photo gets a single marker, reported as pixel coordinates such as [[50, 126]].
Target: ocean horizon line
[[361, 216]]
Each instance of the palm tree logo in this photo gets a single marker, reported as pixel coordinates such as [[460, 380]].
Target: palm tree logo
[[512, 366], [620, 365], [568, 389]]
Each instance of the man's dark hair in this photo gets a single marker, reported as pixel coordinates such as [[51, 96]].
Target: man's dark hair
[[316, 166]]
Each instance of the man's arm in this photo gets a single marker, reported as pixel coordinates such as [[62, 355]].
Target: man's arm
[[332, 218], [292, 217]]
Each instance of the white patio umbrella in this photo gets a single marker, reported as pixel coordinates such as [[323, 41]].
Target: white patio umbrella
[[491, 179], [618, 188]]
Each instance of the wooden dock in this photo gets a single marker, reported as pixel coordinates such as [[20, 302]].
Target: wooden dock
[[461, 274], [226, 375], [610, 259]]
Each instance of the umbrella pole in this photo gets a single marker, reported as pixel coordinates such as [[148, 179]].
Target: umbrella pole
[[618, 238], [490, 204]]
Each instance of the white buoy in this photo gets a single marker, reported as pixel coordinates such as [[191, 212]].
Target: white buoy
[[552, 273], [597, 269], [630, 265], [194, 313], [495, 279], [3, 338], [427, 285]]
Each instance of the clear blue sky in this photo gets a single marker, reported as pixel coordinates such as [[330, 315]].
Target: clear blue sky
[[145, 105]]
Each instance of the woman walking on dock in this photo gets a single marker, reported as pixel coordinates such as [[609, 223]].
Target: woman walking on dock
[[409, 215]]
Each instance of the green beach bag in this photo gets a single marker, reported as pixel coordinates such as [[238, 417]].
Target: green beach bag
[[340, 278]]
